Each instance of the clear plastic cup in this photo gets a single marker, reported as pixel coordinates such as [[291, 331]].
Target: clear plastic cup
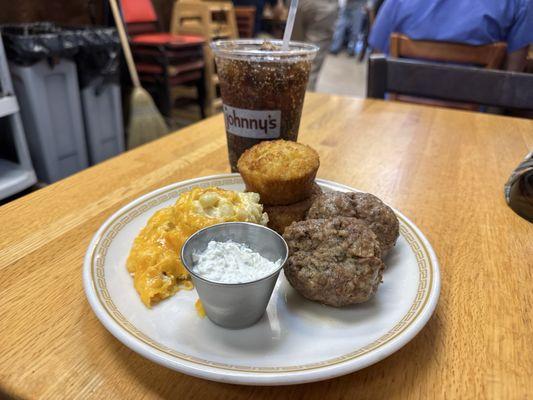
[[263, 89]]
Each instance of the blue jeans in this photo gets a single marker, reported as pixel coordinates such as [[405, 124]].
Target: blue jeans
[[348, 27]]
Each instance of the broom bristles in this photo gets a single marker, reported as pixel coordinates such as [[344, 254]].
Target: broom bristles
[[145, 122]]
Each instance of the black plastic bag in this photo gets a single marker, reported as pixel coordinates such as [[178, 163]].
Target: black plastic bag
[[27, 44], [96, 50], [98, 56]]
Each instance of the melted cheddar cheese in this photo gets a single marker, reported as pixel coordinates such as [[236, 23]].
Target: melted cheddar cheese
[[154, 259], [199, 308]]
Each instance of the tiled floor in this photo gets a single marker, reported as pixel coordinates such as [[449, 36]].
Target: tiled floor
[[343, 75]]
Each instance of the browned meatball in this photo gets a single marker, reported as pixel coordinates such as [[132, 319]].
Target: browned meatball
[[333, 261], [364, 206]]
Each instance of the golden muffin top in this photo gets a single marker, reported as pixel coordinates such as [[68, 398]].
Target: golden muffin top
[[279, 160]]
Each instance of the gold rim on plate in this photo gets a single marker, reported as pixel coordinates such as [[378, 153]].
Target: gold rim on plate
[[103, 241]]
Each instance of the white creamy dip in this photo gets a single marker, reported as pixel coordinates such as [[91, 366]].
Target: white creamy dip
[[230, 262]]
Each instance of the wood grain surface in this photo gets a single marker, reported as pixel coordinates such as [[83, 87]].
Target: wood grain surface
[[444, 169]]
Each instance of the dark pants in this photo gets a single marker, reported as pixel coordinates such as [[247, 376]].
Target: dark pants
[[348, 27], [314, 23]]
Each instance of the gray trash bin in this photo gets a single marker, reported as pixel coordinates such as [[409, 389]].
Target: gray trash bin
[[98, 66], [67, 83], [46, 84], [102, 114], [51, 114]]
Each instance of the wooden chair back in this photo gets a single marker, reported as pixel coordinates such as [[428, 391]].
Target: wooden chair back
[[490, 56], [510, 90], [529, 59], [212, 20], [245, 21]]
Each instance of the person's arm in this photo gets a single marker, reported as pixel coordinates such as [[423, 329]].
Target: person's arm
[[516, 61], [384, 26], [519, 37]]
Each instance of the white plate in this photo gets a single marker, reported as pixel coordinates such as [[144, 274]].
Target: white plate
[[296, 341]]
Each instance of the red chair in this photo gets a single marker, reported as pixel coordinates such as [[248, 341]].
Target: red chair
[[163, 60]]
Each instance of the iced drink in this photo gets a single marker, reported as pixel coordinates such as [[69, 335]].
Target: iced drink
[[263, 89]]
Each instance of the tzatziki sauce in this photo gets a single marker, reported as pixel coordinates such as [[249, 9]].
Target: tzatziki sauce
[[231, 262]]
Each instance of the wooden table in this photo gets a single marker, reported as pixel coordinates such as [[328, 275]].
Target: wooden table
[[444, 169]]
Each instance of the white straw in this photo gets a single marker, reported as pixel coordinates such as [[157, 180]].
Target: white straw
[[290, 24]]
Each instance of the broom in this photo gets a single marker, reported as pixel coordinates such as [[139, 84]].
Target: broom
[[145, 123]]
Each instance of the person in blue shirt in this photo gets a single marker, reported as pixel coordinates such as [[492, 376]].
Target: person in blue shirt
[[474, 22]]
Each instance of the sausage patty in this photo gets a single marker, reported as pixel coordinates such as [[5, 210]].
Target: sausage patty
[[280, 217], [363, 206], [333, 261]]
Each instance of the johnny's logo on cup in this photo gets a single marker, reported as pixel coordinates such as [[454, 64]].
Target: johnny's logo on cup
[[256, 124]]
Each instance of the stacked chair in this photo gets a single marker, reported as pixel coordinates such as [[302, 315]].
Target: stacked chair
[[212, 20], [165, 61]]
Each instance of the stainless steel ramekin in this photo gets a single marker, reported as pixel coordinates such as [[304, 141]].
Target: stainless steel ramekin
[[236, 305]]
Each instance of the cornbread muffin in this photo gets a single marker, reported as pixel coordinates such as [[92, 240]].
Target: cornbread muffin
[[334, 261], [281, 217], [281, 171], [363, 206]]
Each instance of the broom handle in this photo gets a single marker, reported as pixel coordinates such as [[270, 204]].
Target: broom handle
[[125, 44]]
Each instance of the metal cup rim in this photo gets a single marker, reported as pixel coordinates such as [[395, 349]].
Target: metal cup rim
[[195, 275]]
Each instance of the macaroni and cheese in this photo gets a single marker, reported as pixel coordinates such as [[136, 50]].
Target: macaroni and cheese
[[154, 260]]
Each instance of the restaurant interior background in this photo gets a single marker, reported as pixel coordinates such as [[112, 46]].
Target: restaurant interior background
[[400, 203], [178, 70]]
